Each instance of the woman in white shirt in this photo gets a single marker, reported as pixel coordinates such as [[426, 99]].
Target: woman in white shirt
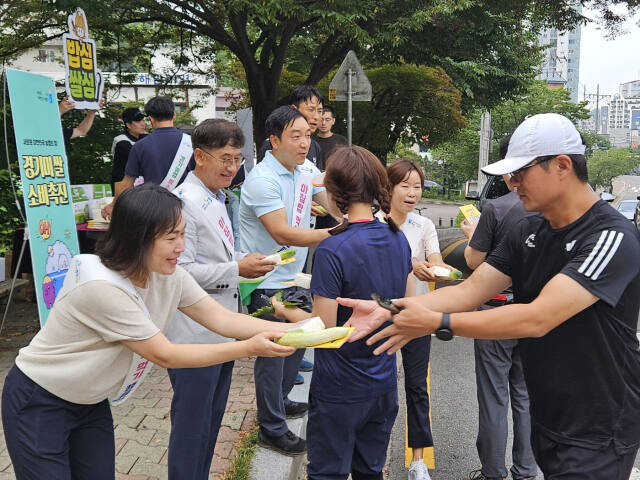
[[406, 180], [103, 332]]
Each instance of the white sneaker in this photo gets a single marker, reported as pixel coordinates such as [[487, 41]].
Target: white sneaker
[[418, 471]]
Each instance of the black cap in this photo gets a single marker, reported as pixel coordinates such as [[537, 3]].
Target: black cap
[[132, 114]]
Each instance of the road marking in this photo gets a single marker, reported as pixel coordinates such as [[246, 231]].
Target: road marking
[[452, 247]]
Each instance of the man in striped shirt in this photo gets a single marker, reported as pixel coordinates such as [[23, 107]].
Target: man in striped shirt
[[575, 274]]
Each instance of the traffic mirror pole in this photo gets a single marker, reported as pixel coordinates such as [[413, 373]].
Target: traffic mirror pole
[[349, 99]]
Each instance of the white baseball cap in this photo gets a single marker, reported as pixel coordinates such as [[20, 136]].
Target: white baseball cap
[[538, 136]]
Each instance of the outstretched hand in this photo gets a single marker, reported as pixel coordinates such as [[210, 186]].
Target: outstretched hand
[[366, 316], [261, 345], [107, 211], [413, 321]]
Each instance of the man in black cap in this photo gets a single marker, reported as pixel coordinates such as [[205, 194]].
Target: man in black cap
[[135, 127]]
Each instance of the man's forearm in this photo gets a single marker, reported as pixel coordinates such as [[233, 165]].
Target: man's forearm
[[121, 186], [481, 286], [85, 125], [300, 237], [509, 321]]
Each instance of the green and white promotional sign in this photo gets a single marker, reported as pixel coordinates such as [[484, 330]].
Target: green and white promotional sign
[[45, 183]]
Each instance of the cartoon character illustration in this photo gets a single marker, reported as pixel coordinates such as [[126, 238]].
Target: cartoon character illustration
[[45, 229], [57, 265], [78, 24], [48, 292]]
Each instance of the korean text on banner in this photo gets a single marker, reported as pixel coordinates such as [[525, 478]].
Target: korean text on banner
[[45, 183], [83, 81]]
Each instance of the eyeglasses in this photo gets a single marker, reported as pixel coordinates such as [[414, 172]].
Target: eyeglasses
[[516, 175], [227, 162]]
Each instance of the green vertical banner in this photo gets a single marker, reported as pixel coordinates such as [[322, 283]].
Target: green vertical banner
[[45, 183]]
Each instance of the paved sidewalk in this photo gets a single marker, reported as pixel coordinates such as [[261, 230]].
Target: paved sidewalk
[[142, 424]]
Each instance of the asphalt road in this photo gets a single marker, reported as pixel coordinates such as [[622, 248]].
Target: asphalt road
[[438, 212]]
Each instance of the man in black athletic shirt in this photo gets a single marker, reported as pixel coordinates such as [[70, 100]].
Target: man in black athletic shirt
[[575, 274]]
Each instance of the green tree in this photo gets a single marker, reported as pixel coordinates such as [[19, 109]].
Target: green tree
[[267, 34], [408, 102], [605, 165], [462, 151]]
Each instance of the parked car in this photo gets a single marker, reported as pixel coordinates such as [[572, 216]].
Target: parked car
[[433, 186], [494, 188], [628, 208]]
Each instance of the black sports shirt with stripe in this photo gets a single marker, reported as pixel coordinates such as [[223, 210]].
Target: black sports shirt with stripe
[[583, 377]]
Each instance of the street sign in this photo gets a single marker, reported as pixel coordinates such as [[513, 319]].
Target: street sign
[[360, 85], [350, 84]]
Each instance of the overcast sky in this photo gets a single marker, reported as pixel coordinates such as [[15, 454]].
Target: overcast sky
[[609, 62]]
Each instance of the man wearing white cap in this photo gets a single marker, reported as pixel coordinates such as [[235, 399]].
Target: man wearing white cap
[[575, 277]]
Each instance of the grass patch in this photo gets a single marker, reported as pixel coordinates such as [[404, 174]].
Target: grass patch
[[242, 463]]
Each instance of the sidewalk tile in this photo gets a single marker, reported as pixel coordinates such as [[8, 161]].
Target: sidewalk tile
[[145, 452], [124, 476], [160, 438], [125, 462], [154, 423], [233, 419], [119, 444], [150, 469], [219, 465], [140, 435]]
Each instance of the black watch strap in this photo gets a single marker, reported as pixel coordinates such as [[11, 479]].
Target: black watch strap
[[444, 332]]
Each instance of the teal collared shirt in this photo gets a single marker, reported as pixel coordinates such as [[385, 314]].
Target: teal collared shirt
[[269, 187]]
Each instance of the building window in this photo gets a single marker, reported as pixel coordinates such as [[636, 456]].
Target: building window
[[46, 56]]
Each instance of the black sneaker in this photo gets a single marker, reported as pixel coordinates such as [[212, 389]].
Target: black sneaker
[[288, 444], [295, 409], [478, 475]]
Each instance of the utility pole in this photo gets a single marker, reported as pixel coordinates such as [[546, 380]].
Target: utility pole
[[485, 145], [597, 96], [597, 108]]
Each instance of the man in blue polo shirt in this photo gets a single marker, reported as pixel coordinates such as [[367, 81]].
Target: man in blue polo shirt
[[164, 157], [275, 212]]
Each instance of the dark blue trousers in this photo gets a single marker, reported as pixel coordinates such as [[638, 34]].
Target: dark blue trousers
[[198, 404], [415, 362], [48, 437], [349, 438], [274, 378]]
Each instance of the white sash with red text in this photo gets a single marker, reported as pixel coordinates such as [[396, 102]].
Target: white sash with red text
[[302, 195], [215, 211], [179, 164], [87, 268]]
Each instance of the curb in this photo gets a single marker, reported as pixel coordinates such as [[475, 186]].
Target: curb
[[270, 465]]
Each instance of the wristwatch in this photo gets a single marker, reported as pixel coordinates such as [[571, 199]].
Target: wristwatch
[[444, 332]]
